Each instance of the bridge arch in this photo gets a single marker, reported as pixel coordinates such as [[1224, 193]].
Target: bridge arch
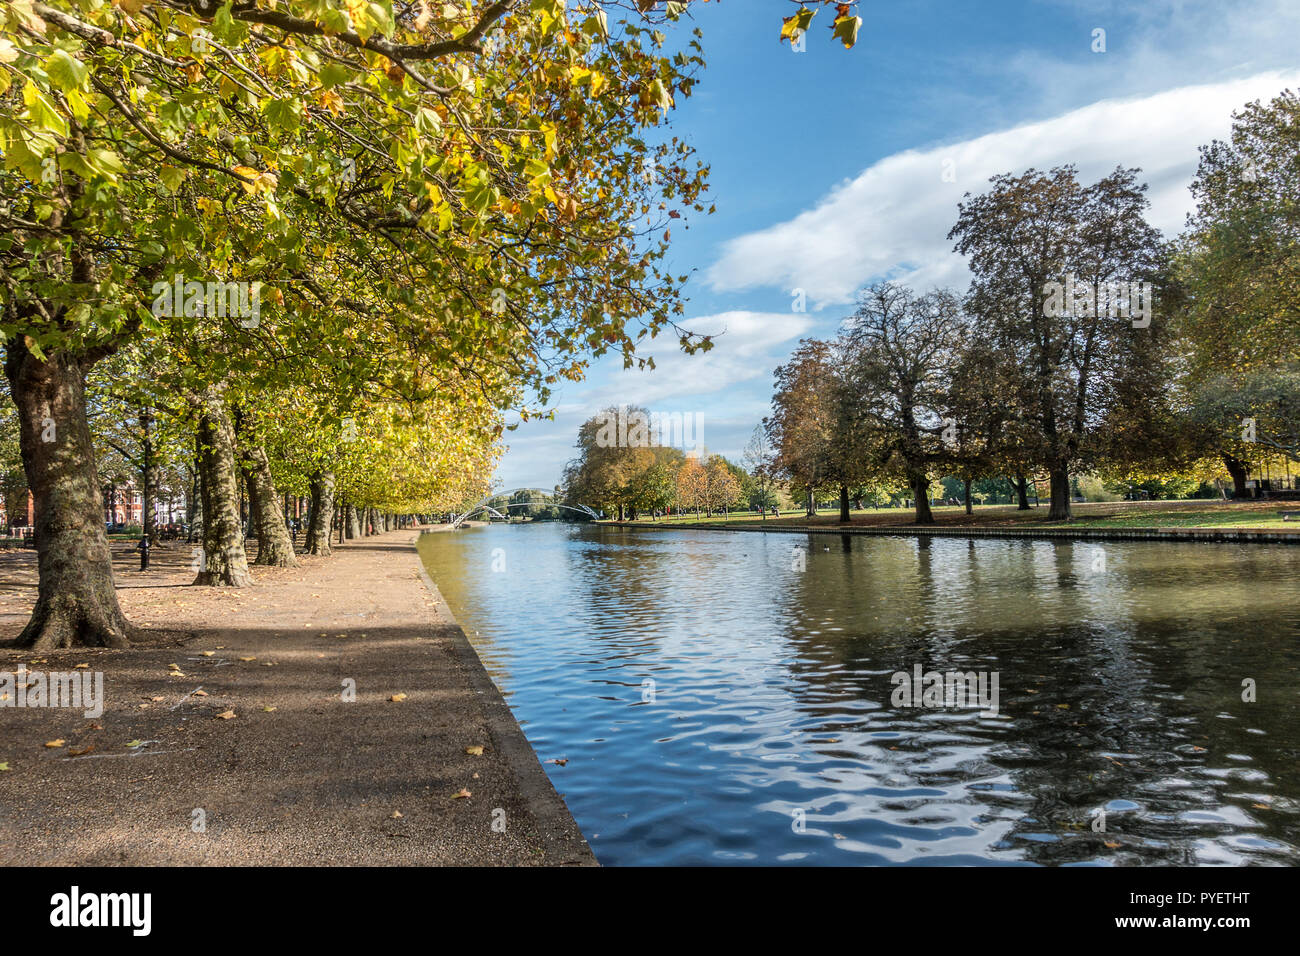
[[458, 520]]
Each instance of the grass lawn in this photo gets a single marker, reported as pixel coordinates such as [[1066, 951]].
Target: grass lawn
[[1261, 515]]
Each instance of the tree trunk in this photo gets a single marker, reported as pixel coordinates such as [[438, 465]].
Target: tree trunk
[[274, 544], [1060, 479], [920, 485], [353, 522], [322, 513], [844, 504], [148, 476], [223, 561], [1239, 472], [76, 603], [194, 507], [969, 509], [1022, 493]]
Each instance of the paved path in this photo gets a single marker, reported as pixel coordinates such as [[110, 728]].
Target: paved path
[[298, 775]]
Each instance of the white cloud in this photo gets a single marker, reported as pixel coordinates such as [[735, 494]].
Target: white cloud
[[892, 220]]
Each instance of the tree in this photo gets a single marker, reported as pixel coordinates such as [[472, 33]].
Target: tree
[[384, 176], [1065, 277], [1240, 265], [759, 459], [902, 350], [801, 426], [692, 485]]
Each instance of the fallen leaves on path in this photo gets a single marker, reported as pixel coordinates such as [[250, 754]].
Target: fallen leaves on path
[[227, 715], [397, 698], [3, 766], [268, 710], [84, 750], [55, 743], [461, 794], [475, 751]]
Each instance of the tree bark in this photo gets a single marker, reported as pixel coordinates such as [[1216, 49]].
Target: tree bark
[[920, 485], [223, 562], [274, 544], [353, 521], [1022, 493], [1060, 481], [148, 476], [844, 504], [969, 509], [1240, 473], [322, 513], [194, 506], [76, 603]]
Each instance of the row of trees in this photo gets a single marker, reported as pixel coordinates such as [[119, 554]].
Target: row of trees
[[1085, 341], [315, 247], [628, 478]]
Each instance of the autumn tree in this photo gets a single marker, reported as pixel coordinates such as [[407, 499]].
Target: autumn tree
[[390, 174], [901, 351], [801, 427], [1067, 279], [1240, 265]]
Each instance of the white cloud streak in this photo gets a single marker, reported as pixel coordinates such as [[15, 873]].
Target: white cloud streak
[[892, 220]]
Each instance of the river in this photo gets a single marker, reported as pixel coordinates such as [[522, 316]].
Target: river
[[703, 697]]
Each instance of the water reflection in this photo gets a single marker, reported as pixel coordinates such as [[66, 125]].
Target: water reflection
[[714, 694]]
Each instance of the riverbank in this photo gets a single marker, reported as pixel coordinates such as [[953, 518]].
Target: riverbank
[[1231, 522], [226, 739]]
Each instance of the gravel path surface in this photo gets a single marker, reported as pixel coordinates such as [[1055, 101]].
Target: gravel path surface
[[298, 775]]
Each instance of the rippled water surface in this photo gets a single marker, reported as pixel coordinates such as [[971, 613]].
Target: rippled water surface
[[707, 695]]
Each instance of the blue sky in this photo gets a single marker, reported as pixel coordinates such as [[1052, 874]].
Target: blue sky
[[832, 169]]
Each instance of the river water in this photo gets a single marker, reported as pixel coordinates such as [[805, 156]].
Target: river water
[[708, 697]]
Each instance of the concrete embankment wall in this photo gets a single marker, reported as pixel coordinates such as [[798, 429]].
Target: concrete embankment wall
[[1212, 535]]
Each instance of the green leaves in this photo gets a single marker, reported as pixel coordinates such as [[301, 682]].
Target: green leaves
[[65, 71], [284, 113], [42, 112]]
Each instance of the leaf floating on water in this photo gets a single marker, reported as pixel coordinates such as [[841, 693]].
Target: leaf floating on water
[[475, 751], [208, 653], [461, 794], [839, 836], [1261, 806], [1111, 846], [397, 698], [82, 667], [55, 743], [226, 715]]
